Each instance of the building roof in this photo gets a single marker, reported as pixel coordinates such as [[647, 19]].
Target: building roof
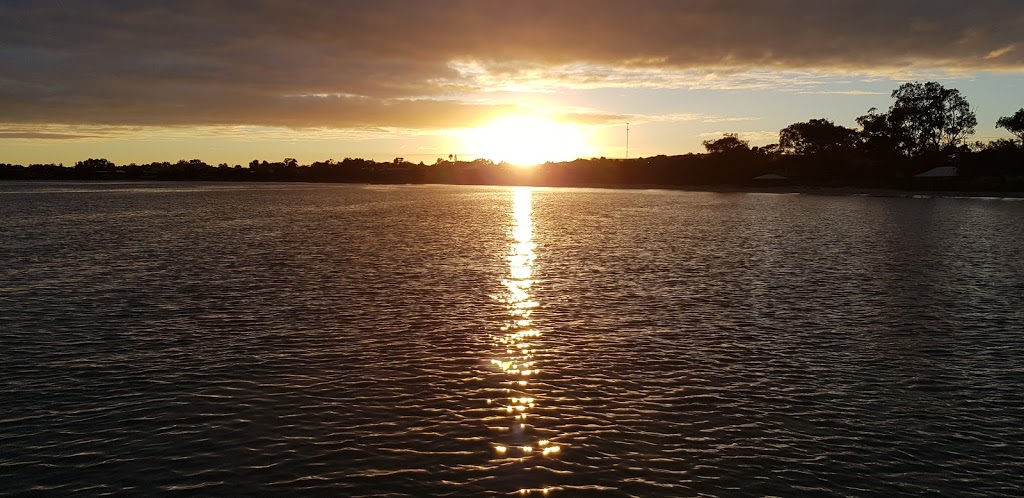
[[940, 172], [770, 176]]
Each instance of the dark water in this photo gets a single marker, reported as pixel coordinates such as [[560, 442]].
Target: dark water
[[416, 341]]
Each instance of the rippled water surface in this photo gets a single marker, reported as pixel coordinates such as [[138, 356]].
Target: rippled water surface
[[432, 340]]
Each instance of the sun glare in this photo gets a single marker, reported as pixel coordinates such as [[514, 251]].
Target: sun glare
[[526, 140]]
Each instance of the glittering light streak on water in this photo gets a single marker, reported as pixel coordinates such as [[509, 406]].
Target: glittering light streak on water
[[519, 441]]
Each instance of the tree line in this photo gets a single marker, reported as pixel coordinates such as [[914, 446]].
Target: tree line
[[927, 126]]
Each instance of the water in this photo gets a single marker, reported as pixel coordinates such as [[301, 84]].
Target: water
[[431, 340]]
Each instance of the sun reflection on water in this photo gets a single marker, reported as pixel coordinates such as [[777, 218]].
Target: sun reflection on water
[[516, 350]]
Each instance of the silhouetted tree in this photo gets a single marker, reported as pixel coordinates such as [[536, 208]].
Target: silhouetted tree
[[930, 117], [94, 165], [816, 137], [730, 143], [90, 167], [729, 160], [994, 163], [879, 138], [768, 151], [1014, 124]]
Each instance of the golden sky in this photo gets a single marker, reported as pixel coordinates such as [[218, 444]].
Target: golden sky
[[228, 81]]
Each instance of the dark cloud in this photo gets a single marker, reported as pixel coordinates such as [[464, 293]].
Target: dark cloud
[[360, 63]]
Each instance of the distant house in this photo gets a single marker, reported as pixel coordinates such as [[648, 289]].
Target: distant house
[[939, 172], [936, 178], [770, 177], [770, 180]]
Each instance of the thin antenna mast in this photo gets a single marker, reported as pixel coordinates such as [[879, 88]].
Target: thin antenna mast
[[627, 140]]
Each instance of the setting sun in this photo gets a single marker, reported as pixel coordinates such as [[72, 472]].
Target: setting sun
[[527, 140]]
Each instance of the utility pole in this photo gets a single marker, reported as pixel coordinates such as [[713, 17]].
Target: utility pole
[[627, 140]]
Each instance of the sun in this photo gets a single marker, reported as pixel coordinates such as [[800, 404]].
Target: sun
[[526, 140]]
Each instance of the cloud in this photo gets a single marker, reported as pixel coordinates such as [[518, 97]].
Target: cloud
[[536, 77], [59, 132], [842, 92], [680, 117], [412, 63], [999, 52], [155, 105], [720, 119], [30, 135]]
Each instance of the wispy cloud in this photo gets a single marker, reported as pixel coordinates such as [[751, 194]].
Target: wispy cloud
[[684, 117], [59, 132], [13, 135], [531, 77], [999, 52], [736, 119], [679, 117], [841, 92]]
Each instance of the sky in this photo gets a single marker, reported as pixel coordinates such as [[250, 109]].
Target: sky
[[231, 81]]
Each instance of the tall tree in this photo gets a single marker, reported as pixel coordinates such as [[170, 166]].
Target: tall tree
[[1014, 124], [816, 137], [930, 117]]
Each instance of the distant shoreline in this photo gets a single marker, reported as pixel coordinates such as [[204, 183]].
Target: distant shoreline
[[718, 189], [853, 191]]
